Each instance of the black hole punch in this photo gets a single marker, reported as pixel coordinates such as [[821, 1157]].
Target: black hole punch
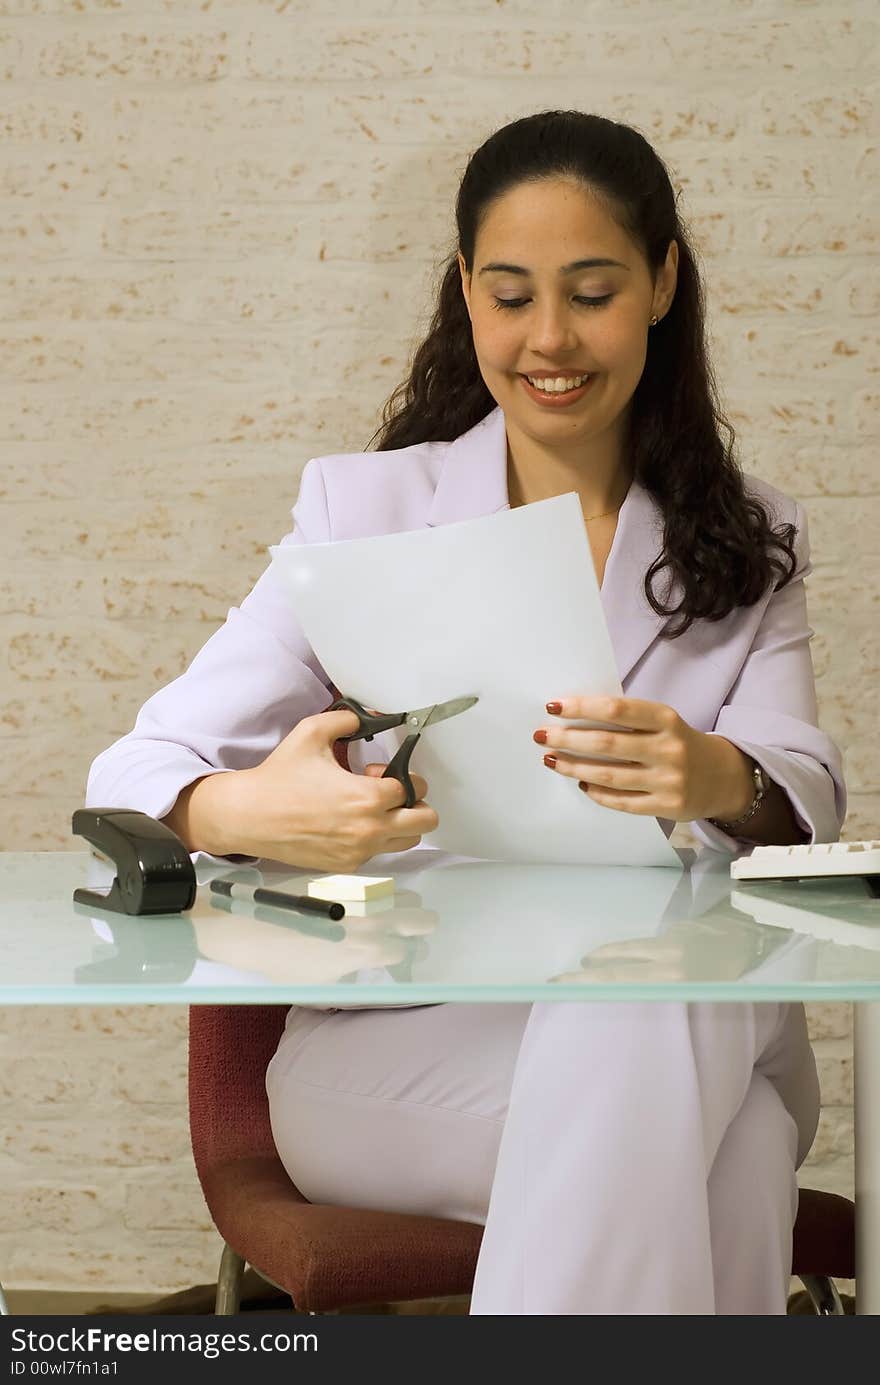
[[154, 873]]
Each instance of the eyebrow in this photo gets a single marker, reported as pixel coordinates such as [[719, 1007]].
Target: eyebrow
[[566, 268]]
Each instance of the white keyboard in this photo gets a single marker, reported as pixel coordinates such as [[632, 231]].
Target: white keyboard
[[806, 860]]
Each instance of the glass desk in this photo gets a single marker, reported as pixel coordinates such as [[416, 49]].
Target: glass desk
[[461, 930]]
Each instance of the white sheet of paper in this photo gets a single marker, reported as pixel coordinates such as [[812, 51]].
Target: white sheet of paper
[[505, 607]]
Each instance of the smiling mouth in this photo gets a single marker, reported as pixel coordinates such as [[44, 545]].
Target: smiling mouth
[[563, 397], [557, 384]]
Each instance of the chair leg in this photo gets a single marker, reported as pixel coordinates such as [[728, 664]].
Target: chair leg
[[4, 1306], [823, 1295], [229, 1282]]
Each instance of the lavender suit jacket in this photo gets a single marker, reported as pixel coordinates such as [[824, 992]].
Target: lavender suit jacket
[[748, 677]]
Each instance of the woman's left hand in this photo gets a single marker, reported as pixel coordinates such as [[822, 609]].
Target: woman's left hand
[[670, 770]]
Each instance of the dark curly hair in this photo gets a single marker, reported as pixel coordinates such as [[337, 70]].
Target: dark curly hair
[[718, 539]]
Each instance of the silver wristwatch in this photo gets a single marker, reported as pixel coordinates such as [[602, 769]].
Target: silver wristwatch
[[762, 784]]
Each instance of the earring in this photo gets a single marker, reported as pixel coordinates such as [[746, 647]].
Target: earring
[[654, 320]]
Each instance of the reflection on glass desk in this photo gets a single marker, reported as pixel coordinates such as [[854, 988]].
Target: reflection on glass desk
[[454, 930], [459, 930]]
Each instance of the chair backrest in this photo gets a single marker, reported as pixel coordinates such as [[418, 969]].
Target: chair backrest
[[229, 1050]]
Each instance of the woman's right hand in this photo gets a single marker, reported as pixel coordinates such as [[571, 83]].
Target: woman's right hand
[[301, 807]]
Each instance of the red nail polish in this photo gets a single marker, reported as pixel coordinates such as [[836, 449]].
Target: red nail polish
[[554, 708], [550, 761], [540, 737]]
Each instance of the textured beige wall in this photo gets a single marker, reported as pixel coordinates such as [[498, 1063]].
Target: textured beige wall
[[220, 225]]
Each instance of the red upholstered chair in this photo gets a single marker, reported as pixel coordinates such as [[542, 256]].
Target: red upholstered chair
[[824, 1247], [328, 1258]]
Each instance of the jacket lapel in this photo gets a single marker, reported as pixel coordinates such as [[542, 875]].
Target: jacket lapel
[[473, 482], [632, 624]]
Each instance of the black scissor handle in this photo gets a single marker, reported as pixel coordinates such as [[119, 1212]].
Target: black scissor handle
[[370, 725], [398, 768]]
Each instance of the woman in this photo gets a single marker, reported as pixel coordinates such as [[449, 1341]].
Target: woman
[[624, 1158]]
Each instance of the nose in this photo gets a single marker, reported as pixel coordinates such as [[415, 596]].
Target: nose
[[552, 330]]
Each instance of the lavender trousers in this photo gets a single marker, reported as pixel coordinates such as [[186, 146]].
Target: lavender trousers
[[624, 1158]]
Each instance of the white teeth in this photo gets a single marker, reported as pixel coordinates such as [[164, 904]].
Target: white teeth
[[558, 386]]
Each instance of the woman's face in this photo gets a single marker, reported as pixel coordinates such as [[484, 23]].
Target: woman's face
[[593, 319]]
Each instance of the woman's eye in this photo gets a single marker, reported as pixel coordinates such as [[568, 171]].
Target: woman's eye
[[518, 302]]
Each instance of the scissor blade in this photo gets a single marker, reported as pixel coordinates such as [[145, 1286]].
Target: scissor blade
[[439, 711]]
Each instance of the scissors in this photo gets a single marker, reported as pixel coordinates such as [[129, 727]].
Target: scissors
[[417, 721]]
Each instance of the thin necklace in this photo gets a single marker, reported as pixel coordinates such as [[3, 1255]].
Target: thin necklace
[[513, 501]]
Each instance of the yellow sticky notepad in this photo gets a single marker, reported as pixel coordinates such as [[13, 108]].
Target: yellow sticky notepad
[[354, 887]]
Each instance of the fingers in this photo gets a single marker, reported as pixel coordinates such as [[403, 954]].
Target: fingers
[[419, 818], [640, 802], [393, 789], [628, 788], [402, 843], [328, 727], [601, 773], [633, 746], [623, 711], [420, 785]]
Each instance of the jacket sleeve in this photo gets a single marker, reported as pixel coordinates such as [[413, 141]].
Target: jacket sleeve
[[247, 687], [771, 714]]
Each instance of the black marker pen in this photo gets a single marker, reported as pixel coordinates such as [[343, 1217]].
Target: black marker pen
[[300, 903]]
